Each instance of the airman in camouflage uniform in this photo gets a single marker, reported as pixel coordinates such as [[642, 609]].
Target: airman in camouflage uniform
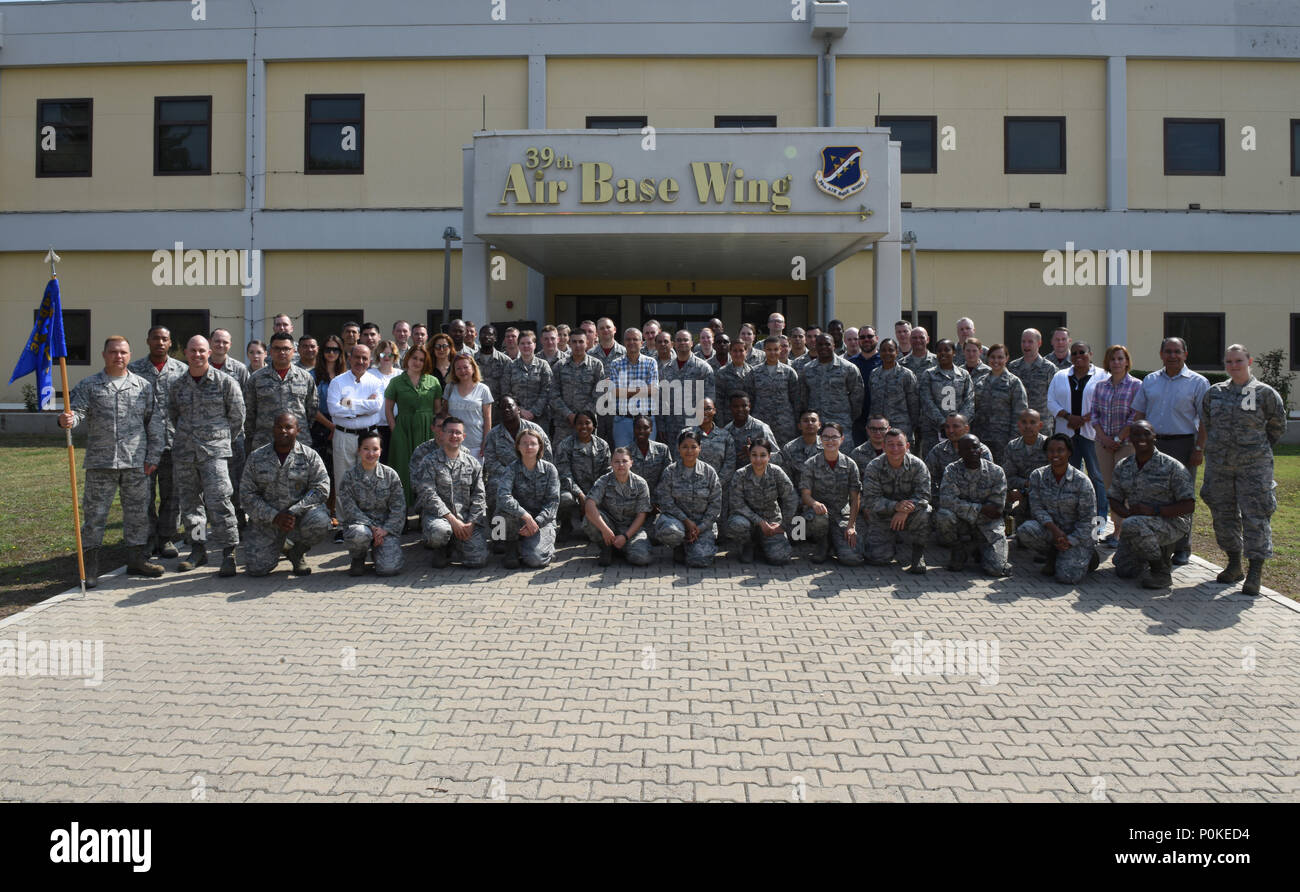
[[239, 447], [619, 504], [1151, 481], [580, 465], [942, 391], [266, 395], [999, 400], [1035, 378], [532, 384], [728, 380], [695, 495], [1019, 461], [127, 432], [165, 515], [492, 363], [945, 452], [453, 486], [918, 365], [650, 465], [838, 488], [894, 395], [696, 378], [797, 451], [751, 429], [1241, 422], [755, 499], [369, 499], [777, 393], [575, 389], [298, 486], [499, 448], [970, 511], [833, 386], [1070, 504], [535, 492], [207, 415], [885, 489], [978, 373]]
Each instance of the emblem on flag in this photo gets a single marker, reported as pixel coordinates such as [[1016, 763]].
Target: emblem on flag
[[45, 344], [841, 174]]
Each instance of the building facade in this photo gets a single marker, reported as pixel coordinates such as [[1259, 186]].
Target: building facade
[[334, 144]]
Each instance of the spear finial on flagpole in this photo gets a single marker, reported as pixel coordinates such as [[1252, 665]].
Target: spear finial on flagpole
[[51, 258]]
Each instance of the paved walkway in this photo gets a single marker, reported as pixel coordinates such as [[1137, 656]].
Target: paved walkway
[[581, 683]]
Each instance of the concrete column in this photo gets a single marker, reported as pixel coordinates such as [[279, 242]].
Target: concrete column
[[473, 252], [255, 322], [535, 306], [1117, 185], [887, 254]]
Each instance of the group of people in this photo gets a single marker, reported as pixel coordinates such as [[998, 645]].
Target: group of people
[[867, 448]]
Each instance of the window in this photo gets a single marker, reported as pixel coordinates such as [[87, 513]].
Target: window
[[335, 130], [76, 334], [755, 311], [1295, 147], [1194, 147], [435, 322], [63, 131], [320, 324], [594, 307], [1034, 145], [927, 319], [1014, 325], [675, 315], [1203, 333], [919, 136], [744, 121], [1295, 342], [183, 325], [616, 122], [182, 135]]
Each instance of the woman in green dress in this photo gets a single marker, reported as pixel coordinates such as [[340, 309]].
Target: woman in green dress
[[417, 398]]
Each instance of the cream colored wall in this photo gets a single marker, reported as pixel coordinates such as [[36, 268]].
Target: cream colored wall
[[1258, 293], [680, 92], [973, 96], [122, 134], [418, 115], [1263, 95], [118, 290]]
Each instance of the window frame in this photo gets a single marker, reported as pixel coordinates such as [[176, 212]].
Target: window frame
[[1008, 120], [1013, 344], [36, 312], [609, 119], [90, 139], [737, 122], [1223, 147], [1215, 363], [308, 121], [157, 142], [934, 137]]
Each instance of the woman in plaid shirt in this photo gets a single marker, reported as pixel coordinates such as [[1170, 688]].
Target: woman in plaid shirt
[[1112, 413]]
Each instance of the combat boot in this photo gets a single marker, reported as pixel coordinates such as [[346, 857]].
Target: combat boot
[[1232, 572], [747, 553], [1160, 571], [1095, 561], [511, 561], [679, 554], [918, 560], [956, 557], [227, 561], [1254, 578], [358, 566], [91, 560], [822, 550], [137, 563], [441, 557], [198, 557], [166, 549], [1049, 561], [606, 556], [298, 561]]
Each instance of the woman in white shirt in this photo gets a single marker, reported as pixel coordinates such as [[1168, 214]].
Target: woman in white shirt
[[470, 400], [386, 354]]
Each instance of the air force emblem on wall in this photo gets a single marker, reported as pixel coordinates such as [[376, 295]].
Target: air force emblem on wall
[[841, 174]]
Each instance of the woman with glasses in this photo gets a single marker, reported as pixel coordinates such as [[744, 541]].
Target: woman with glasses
[[329, 362], [410, 404], [442, 351], [830, 488]]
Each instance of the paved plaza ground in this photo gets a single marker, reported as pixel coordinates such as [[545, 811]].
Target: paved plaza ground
[[743, 683]]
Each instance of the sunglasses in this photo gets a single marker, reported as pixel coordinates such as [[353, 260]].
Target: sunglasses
[[332, 350]]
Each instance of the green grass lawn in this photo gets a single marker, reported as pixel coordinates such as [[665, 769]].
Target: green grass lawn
[[38, 558]]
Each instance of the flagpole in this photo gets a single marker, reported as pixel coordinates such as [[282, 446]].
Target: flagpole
[[52, 258]]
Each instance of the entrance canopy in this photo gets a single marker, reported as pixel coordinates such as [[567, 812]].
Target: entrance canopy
[[698, 204]]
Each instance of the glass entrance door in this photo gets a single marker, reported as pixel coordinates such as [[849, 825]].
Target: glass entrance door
[[674, 315]]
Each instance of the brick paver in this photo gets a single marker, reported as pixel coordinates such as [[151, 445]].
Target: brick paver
[[743, 683]]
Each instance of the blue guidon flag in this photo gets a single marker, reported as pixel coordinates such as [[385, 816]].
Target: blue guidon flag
[[841, 174], [45, 344]]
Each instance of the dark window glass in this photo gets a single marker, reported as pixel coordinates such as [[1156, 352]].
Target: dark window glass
[[1203, 333], [183, 135], [1295, 148], [76, 334], [320, 324], [616, 122], [674, 315], [1295, 341], [335, 134], [63, 137], [595, 306], [927, 319], [183, 325], [755, 311], [1014, 325], [433, 318], [1193, 147], [739, 121], [919, 137], [1035, 145]]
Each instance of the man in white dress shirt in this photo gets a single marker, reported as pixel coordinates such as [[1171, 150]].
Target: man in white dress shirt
[[356, 402]]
